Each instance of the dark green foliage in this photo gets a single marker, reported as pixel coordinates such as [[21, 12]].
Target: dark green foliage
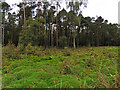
[[63, 41], [46, 29], [32, 33]]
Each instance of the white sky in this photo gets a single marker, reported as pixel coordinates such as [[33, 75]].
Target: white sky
[[108, 9]]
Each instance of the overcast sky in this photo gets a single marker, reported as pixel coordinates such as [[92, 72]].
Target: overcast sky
[[108, 9]]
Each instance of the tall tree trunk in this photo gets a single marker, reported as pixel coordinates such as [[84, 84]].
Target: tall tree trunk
[[31, 11], [45, 28], [51, 36], [78, 37], [77, 41], [12, 35], [3, 28], [45, 21], [69, 40], [38, 9], [24, 15], [97, 37], [3, 34], [74, 42], [63, 33], [56, 30]]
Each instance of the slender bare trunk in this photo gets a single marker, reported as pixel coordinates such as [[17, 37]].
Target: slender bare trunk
[[24, 16], [31, 11], [77, 41], [51, 36], [63, 33], [74, 42], [45, 22], [45, 29], [97, 39], [38, 10], [12, 34], [3, 34], [56, 31], [49, 33]]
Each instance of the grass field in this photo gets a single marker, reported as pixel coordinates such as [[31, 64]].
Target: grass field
[[86, 67]]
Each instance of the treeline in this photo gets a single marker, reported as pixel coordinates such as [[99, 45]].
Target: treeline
[[44, 24]]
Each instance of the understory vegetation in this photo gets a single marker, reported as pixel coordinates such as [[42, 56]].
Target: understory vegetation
[[37, 67]]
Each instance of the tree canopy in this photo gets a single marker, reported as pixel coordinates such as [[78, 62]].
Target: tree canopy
[[45, 24]]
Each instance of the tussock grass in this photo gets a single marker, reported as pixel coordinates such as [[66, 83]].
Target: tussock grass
[[86, 67]]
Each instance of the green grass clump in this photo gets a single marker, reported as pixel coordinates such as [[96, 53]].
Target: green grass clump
[[61, 68]]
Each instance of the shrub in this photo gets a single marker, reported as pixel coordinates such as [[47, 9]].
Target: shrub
[[63, 41], [21, 47], [34, 50], [10, 51]]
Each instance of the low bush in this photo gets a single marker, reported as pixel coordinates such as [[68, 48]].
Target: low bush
[[63, 41], [10, 51]]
